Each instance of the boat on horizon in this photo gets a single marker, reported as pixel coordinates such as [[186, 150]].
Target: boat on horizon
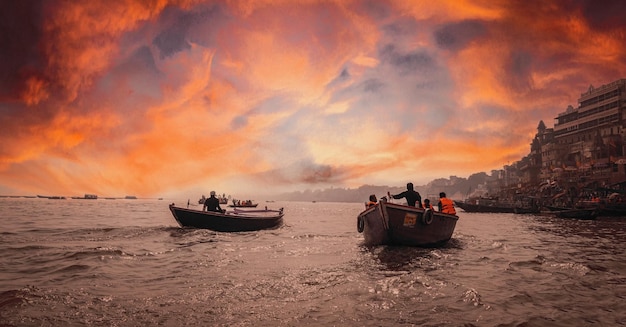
[[243, 204], [86, 197]]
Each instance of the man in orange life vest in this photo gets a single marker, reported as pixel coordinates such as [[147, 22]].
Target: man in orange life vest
[[446, 205]]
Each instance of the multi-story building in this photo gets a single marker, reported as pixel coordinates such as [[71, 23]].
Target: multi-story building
[[587, 142]]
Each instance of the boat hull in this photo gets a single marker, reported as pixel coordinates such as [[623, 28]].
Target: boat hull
[[394, 224], [236, 221], [469, 207], [582, 214]]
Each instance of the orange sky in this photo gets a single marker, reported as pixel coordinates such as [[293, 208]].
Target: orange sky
[[177, 98]]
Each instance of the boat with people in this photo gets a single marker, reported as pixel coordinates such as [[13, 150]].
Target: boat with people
[[395, 224], [243, 204], [237, 220]]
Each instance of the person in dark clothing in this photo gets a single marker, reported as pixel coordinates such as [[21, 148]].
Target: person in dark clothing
[[413, 198], [213, 203]]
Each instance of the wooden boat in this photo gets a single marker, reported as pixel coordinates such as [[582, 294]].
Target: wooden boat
[[53, 197], [494, 208], [580, 213], [253, 205], [86, 197], [243, 204], [395, 224], [229, 221], [556, 208]]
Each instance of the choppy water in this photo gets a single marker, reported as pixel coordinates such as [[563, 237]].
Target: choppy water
[[127, 263]]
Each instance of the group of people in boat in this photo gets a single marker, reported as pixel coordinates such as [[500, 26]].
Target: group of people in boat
[[414, 199], [242, 203]]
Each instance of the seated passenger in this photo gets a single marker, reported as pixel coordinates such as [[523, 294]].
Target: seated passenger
[[372, 201], [446, 205], [427, 204]]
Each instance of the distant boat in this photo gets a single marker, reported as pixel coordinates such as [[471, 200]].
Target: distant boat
[[494, 207], [230, 221], [130, 197], [581, 213], [243, 204], [54, 197], [395, 224], [86, 197]]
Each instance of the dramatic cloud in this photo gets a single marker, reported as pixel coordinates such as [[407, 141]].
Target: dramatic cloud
[[175, 98]]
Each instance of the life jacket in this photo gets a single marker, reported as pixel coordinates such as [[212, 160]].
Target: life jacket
[[370, 204], [447, 206], [430, 206]]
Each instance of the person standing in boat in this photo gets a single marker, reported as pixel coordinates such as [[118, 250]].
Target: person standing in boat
[[212, 203], [446, 205], [413, 198]]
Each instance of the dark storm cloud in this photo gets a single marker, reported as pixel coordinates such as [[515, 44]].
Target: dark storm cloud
[[520, 68], [456, 36], [402, 27], [604, 15], [376, 9], [20, 34], [174, 39], [407, 63], [143, 56]]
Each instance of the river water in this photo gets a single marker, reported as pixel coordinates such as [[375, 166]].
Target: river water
[[127, 263]]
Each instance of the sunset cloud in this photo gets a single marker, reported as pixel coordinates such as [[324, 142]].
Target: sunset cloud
[[174, 98]]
